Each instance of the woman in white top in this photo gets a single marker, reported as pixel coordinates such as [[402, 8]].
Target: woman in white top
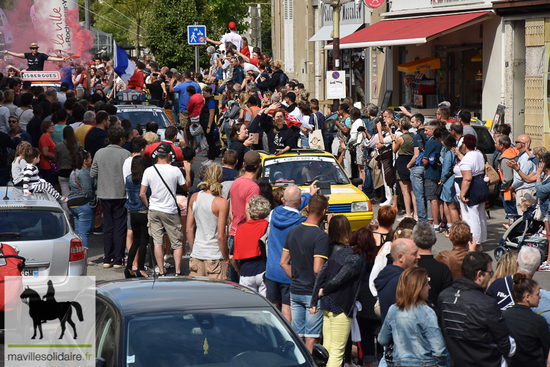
[[356, 141], [208, 214], [472, 191]]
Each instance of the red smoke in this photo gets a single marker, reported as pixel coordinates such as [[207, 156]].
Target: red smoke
[[82, 39]]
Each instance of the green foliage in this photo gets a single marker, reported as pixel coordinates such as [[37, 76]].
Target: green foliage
[[167, 28], [167, 36], [265, 16]]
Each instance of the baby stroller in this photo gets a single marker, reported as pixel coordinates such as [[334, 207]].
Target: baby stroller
[[525, 231]]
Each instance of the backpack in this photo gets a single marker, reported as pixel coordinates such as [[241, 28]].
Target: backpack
[[11, 265], [283, 80]]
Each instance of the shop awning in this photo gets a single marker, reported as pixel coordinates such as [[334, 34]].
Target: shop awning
[[323, 34], [412, 31], [429, 63]]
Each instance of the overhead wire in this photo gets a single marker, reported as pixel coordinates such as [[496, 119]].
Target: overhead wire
[[110, 21]]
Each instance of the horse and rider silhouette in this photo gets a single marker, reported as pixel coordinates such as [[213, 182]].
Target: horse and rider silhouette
[[49, 309]]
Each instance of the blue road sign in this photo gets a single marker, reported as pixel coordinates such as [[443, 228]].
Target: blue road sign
[[196, 34]]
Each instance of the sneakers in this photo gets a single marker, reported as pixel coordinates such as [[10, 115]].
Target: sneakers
[[437, 228], [107, 265], [98, 230], [198, 151], [118, 266], [544, 266], [168, 257]]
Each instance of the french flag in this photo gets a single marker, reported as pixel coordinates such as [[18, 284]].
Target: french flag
[[123, 66]]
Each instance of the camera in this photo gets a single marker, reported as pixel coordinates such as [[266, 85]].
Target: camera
[[361, 129]]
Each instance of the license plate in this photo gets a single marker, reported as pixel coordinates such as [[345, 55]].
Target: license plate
[[30, 272]]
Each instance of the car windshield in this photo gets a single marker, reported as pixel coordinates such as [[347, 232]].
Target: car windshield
[[212, 338], [303, 170], [142, 116], [29, 225]]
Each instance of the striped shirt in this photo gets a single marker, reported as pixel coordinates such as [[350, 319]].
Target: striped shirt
[[30, 177]]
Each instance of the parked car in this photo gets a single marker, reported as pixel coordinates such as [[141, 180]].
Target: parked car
[[187, 321], [36, 226], [142, 114], [303, 166]]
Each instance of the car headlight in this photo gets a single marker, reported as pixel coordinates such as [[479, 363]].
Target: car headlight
[[360, 206]]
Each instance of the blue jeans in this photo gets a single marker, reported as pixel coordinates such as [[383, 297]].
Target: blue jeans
[[233, 275], [83, 221], [417, 181], [368, 187], [176, 115], [227, 131], [509, 208], [304, 323], [305, 141]]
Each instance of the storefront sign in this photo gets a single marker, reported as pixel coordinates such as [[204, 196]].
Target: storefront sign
[[40, 76], [336, 84], [374, 3], [436, 3], [350, 13]]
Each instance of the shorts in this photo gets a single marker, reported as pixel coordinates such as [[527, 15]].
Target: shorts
[[159, 222], [359, 160], [128, 222], [430, 186], [304, 323], [184, 118], [277, 292], [182, 203], [216, 269]]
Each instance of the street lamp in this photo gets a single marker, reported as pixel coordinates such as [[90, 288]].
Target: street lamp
[[336, 36]]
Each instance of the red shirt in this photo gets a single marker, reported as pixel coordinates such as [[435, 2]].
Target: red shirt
[[247, 238], [245, 51], [136, 81], [151, 148], [255, 62], [195, 104], [241, 192], [45, 141]]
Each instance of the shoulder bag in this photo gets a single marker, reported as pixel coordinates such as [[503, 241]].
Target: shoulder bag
[[168, 188], [316, 140], [494, 177]]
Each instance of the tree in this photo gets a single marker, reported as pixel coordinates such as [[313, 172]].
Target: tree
[[125, 19], [265, 16], [167, 37]]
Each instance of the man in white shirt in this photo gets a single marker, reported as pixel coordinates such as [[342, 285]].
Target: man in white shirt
[[232, 37], [163, 179]]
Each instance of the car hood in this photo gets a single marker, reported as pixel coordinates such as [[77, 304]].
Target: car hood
[[341, 194]]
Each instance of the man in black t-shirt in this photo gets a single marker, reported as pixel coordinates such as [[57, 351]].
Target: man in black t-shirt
[[307, 246], [156, 90], [35, 59]]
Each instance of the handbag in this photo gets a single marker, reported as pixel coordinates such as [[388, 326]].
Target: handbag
[[538, 215], [196, 130], [493, 175], [316, 140], [53, 166], [170, 191], [438, 189]]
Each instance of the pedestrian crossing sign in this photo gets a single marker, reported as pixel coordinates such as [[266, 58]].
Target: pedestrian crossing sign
[[196, 35]]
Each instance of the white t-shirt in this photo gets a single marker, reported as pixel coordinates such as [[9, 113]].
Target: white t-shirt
[[472, 161], [234, 38], [356, 137], [161, 199], [127, 168]]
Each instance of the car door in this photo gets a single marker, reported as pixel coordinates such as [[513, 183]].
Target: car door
[[107, 333]]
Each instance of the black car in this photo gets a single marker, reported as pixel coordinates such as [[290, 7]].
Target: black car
[[187, 321]]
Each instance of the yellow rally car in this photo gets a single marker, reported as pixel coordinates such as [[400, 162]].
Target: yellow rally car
[[301, 167]]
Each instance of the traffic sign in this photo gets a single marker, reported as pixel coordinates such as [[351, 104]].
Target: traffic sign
[[196, 35]]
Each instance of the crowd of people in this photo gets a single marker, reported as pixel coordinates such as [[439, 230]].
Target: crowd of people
[[377, 293]]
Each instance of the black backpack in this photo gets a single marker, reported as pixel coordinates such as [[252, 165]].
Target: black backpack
[[283, 80]]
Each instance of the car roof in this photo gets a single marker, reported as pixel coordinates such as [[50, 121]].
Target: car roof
[[14, 197], [296, 153], [169, 294], [137, 106]]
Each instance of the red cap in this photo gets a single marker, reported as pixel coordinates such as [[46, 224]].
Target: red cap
[[232, 25]]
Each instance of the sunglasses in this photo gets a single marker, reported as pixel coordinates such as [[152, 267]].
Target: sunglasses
[[34, 48], [13, 121]]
